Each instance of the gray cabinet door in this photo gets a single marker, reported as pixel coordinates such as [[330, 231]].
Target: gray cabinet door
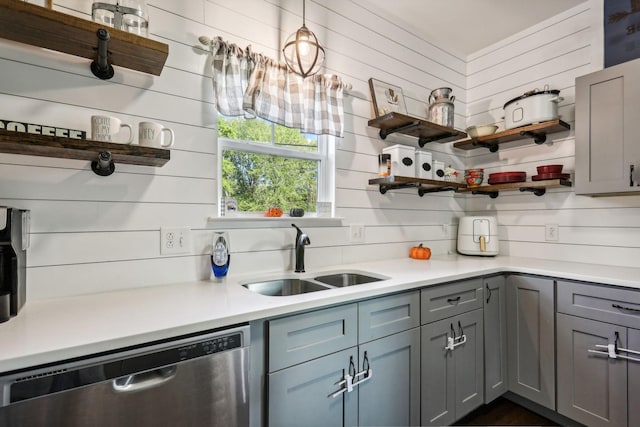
[[495, 338], [531, 341], [606, 129], [302, 395], [437, 375], [443, 301], [452, 380], [384, 316], [633, 375], [592, 388], [468, 361], [392, 396]]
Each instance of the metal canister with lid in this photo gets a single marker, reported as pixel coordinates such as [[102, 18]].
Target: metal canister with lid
[[441, 107]]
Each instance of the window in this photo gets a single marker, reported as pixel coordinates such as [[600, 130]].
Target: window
[[263, 165]]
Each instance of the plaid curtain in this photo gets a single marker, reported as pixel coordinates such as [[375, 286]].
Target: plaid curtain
[[253, 85]]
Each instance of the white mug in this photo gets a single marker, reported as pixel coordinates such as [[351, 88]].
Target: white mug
[[150, 134], [103, 128]]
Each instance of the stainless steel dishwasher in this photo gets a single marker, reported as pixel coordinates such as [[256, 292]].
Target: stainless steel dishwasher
[[198, 381]]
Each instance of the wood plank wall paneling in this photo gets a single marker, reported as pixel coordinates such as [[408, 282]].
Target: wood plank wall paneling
[[594, 230], [93, 234]]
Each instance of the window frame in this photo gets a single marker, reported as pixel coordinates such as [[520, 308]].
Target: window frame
[[325, 156]]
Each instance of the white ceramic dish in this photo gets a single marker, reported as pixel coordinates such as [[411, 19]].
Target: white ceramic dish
[[481, 130]]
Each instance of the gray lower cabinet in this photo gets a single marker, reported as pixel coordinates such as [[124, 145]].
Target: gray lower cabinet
[[592, 388], [311, 355], [452, 379], [495, 338], [633, 382], [531, 338]]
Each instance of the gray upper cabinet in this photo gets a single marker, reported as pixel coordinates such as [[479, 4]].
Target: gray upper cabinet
[[495, 338], [531, 338], [607, 125]]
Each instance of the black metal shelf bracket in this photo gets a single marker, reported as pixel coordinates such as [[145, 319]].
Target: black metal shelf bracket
[[384, 187], [101, 67], [536, 191], [104, 166], [386, 132], [492, 147], [422, 191], [538, 138], [492, 194]]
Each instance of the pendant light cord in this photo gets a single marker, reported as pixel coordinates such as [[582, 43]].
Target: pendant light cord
[[304, 13]]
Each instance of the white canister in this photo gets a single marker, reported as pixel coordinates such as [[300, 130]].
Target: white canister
[[424, 164], [438, 169], [402, 159]]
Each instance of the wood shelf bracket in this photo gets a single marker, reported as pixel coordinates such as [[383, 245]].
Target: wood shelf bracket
[[100, 67], [538, 137], [386, 132]]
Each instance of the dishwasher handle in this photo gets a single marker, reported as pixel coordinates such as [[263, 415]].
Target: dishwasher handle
[[144, 380]]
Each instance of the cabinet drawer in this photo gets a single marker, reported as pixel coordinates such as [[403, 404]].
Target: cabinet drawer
[[384, 316], [607, 304], [303, 337], [444, 301]]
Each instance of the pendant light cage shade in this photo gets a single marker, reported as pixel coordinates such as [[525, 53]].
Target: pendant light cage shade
[[303, 53]]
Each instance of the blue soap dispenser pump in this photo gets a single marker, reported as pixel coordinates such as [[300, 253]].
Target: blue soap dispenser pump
[[220, 254]]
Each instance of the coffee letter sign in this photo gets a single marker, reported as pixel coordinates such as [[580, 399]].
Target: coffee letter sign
[[42, 130]]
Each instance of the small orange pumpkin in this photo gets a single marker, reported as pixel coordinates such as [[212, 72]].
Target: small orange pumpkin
[[274, 212], [420, 252]]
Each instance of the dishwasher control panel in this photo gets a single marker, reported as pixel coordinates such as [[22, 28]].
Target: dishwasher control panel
[[214, 345]]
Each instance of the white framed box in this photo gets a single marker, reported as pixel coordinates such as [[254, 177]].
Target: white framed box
[[402, 160], [424, 164]]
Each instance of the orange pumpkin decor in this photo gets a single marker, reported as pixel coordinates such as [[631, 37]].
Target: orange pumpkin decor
[[274, 212], [420, 252]]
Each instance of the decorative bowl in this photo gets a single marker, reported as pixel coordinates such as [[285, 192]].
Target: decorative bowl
[[549, 169], [473, 177], [481, 130]]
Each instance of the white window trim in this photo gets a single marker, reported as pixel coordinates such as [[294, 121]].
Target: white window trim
[[325, 157]]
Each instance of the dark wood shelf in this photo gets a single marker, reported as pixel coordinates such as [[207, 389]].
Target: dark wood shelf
[[80, 149], [536, 187], [424, 186], [537, 131], [423, 130], [38, 26]]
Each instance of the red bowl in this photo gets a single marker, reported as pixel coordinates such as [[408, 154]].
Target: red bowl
[[507, 177], [549, 169]]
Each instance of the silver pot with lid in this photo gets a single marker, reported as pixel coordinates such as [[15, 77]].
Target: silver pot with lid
[[441, 108]]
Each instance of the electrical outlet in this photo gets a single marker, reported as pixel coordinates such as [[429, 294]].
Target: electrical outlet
[[175, 240], [551, 232], [356, 233]]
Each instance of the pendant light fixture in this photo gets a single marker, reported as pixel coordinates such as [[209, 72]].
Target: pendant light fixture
[[302, 51]]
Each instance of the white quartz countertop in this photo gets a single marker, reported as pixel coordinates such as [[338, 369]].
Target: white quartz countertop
[[53, 330]]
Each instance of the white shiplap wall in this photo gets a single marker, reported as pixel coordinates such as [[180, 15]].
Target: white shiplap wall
[[592, 230], [95, 234]]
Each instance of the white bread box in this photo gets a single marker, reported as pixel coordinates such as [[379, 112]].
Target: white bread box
[[478, 235], [402, 160], [424, 164]]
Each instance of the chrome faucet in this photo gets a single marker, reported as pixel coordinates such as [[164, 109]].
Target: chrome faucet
[[302, 240]]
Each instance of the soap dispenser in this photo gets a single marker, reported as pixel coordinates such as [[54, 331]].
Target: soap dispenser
[[220, 254]]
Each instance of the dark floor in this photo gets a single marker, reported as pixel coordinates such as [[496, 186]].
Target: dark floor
[[503, 412]]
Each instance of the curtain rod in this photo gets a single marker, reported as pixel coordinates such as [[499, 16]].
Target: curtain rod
[[208, 42]]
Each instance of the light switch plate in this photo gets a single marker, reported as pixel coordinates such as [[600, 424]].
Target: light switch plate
[[356, 233], [551, 232]]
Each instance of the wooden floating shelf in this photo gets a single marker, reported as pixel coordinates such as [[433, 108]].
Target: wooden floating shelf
[[537, 131], [80, 149], [425, 186], [38, 26], [536, 187], [423, 130]]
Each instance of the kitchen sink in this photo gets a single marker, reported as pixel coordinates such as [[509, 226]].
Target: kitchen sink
[[285, 287], [346, 279]]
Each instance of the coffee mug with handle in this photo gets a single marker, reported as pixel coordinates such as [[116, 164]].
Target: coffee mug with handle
[[150, 134], [104, 128]]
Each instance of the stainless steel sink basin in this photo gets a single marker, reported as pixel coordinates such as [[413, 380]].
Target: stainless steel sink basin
[[346, 279], [285, 287]]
